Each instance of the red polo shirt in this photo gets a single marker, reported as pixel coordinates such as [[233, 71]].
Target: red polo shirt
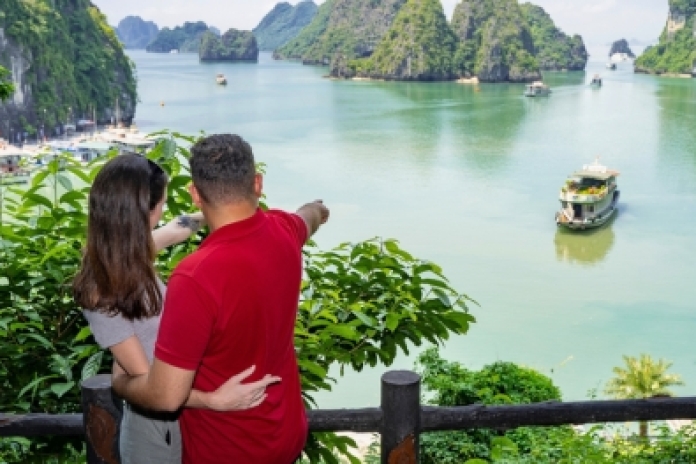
[[230, 305]]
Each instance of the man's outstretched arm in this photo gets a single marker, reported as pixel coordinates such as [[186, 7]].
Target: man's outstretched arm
[[314, 215]]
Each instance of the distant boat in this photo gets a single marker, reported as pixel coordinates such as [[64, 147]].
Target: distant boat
[[589, 198], [12, 166], [537, 89], [221, 79], [174, 50], [611, 66], [596, 81]]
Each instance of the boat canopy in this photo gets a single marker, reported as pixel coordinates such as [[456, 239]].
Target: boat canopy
[[595, 174]]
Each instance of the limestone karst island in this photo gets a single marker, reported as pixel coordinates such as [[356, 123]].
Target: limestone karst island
[[504, 273]]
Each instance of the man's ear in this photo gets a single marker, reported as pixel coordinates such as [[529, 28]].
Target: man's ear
[[258, 185], [195, 195]]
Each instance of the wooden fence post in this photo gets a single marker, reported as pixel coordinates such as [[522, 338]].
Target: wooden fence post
[[400, 417], [102, 413]]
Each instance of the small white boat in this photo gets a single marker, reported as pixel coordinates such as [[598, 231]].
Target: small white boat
[[13, 166], [589, 197], [537, 89], [596, 81], [611, 66], [221, 79], [174, 51]]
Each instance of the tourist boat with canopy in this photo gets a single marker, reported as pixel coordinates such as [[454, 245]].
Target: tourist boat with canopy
[[221, 79], [537, 89], [589, 197], [596, 81], [14, 165]]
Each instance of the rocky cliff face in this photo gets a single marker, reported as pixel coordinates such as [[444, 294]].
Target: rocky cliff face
[[418, 46], [496, 42], [554, 50], [66, 63], [351, 28], [233, 45], [676, 51], [621, 46], [185, 39], [283, 23], [135, 33]]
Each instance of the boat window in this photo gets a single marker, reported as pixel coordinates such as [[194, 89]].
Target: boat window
[[590, 208]]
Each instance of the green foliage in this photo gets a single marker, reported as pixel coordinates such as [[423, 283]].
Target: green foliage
[[185, 39], [283, 23], [77, 61], [676, 55], [495, 41], [642, 378], [418, 46], [233, 45], [451, 384], [360, 304], [351, 28], [554, 49], [6, 85]]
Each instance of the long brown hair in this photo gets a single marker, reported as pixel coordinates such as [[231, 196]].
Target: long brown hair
[[118, 274]]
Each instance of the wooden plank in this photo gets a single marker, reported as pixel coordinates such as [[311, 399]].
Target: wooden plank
[[556, 413], [33, 425], [345, 420]]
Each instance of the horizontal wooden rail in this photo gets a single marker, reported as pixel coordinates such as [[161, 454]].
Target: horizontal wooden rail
[[432, 418]]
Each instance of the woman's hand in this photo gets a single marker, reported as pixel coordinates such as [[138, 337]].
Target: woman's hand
[[234, 395]]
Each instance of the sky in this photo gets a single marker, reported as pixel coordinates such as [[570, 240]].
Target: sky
[[600, 22]]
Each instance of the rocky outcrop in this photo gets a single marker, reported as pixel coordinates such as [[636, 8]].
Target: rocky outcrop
[[496, 43], [66, 63], [184, 39], [554, 50], [621, 47], [676, 51], [419, 46], [233, 45], [135, 33], [283, 23], [351, 28]]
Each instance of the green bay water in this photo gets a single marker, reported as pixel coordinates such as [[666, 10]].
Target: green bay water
[[468, 177]]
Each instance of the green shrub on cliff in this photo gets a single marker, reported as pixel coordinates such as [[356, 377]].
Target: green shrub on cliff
[[418, 46], [76, 59], [554, 49], [6, 86]]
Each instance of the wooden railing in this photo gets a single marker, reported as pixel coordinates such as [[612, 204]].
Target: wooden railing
[[399, 420]]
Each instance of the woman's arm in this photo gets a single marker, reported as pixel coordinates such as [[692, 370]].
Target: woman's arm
[[233, 395], [177, 230]]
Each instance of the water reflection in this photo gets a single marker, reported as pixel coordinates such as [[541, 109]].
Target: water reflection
[[559, 78], [677, 134], [586, 248]]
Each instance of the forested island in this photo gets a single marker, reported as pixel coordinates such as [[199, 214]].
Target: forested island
[[676, 51], [183, 39], [283, 23], [64, 61], [233, 45], [493, 40], [136, 33]]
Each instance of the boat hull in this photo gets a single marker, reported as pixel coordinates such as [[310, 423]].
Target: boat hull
[[598, 221]]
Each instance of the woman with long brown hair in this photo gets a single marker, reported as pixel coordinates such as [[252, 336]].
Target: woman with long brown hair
[[123, 297]]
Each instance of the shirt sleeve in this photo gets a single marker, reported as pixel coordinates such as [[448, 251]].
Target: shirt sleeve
[[294, 224], [109, 330], [187, 324]]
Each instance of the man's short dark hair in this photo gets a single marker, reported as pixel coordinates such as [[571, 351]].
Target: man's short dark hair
[[223, 169]]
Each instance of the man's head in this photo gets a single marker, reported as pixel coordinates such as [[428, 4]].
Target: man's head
[[224, 172]]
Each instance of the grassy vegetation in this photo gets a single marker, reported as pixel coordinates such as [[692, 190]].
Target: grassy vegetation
[[283, 23], [184, 38]]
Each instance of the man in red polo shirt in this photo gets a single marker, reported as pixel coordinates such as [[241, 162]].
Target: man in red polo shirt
[[229, 305]]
